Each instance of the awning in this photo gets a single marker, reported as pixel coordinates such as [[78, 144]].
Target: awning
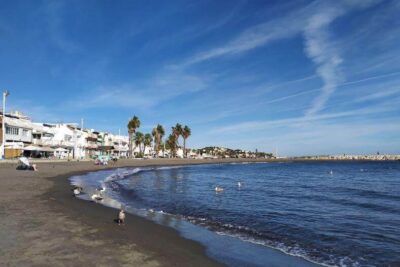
[[32, 148], [15, 145], [38, 148]]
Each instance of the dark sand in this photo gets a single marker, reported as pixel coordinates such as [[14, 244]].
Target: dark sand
[[43, 225]]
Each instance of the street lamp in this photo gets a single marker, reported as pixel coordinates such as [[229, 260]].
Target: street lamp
[[3, 145]]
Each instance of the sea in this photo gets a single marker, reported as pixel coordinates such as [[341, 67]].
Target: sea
[[332, 213]]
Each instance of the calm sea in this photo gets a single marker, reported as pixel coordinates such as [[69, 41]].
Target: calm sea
[[330, 213]]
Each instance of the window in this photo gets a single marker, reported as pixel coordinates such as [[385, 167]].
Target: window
[[12, 130], [48, 135], [25, 132], [67, 137]]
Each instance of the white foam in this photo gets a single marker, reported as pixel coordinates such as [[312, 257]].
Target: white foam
[[169, 167], [118, 176]]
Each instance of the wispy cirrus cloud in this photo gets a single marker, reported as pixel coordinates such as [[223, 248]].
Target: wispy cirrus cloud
[[250, 126], [164, 86], [320, 50], [324, 52], [312, 22], [256, 36]]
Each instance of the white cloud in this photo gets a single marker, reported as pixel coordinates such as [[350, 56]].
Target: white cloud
[[313, 21], [168, 84], [320, 50], [251, 126], [379, 95], [256, 36]]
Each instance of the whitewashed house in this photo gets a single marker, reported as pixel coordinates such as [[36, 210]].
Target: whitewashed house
[[121, 146], [67, 140], [18, 133], [18, 128]]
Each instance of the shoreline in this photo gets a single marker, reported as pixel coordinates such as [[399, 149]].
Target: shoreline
[[42, 224], [46, 225], [147, 236]]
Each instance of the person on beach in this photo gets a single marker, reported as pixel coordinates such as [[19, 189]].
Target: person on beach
[[23, 164], [121, 217]]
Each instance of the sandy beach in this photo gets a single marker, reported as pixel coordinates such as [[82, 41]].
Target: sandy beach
[[42, 224]]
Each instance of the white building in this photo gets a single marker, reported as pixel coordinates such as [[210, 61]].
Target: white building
[[18, 133], [121, 145], [61, 140], [18, 128], [68, 140]]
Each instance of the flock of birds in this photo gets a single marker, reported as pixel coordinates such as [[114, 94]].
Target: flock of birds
[[98, 195], [239, 184], [221, 189], [77, 190]]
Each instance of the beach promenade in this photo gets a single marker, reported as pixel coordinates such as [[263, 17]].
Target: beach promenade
[[43, 225]]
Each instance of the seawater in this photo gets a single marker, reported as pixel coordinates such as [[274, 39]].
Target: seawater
[[329, 213]]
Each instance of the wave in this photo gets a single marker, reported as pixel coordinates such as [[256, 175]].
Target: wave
[[253, 236], [121, 175], [169, 167]]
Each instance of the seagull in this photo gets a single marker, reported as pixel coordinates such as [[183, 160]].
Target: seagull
[[97, 197], [101, 189], [121, 217], [218, 189], [77, 190], [239, 184]]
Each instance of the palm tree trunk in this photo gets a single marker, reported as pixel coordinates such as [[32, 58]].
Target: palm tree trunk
[[130, 146], [184, 148], [157, 145]]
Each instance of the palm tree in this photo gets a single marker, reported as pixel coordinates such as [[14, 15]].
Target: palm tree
[[186, 132], [139, 139], [158, 133], [176, 132], [148, 139], [171, 144], [133, 124]]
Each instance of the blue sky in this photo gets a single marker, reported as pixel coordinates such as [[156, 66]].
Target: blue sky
[[304, 77]]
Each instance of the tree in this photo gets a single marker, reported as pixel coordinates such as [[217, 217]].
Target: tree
[[158, 133], [186, 132], [133, 124], [177, 131], [148, 139], [171, 144], [139, 139]]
